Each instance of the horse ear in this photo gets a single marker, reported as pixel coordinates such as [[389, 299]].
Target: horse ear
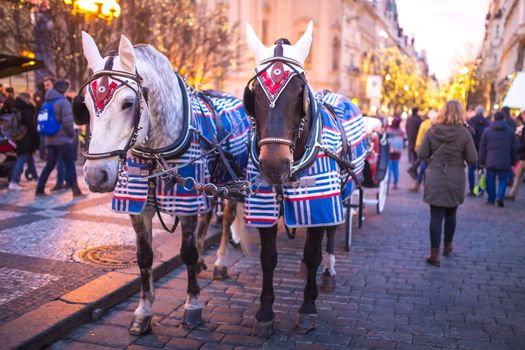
[[90, 50], [303, 45], [255, 44], [126, 54]]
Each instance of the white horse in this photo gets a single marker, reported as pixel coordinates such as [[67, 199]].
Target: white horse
[[135, 101]]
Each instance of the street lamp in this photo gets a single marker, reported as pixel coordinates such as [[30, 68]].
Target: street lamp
[[104, 9]]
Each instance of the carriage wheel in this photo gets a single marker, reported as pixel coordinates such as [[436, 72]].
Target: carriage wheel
[[360, 209], [348, 228], [381, 195]]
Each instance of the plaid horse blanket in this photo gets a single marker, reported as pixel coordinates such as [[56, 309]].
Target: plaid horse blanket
[[316, 197], [131, 192]]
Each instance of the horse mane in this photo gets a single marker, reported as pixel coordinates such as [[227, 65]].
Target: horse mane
[[165, 96]]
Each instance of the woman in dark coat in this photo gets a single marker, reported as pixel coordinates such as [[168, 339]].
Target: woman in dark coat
[[446, 147], [27, 144]]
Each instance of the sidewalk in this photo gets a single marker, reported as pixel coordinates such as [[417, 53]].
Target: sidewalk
[[387, 297], [46, 285]]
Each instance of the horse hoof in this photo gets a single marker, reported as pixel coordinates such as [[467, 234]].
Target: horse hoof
[[201, 266], [329, 283], [192, 318], [305, 323], [263, 329], [220, 273], [140, 325]]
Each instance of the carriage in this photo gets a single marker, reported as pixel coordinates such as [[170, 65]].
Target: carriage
[[375, 178]]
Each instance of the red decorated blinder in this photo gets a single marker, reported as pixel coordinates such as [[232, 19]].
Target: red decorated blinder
[[102, 92]]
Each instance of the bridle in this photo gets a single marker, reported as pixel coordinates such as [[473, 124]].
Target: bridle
[[124, 78], [249, 93]]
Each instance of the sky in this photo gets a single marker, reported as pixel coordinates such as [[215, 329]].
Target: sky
[[447, 29]]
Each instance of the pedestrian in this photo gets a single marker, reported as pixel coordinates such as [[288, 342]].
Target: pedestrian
[[60, 143], [478, 123], [497, 154], [421, 166], [396, 138], [446, 147], [412, 127], [3, 94], [520, 168], [511, 122], [27, 144]]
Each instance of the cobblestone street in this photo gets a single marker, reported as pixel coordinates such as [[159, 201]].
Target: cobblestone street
[[387, 297]]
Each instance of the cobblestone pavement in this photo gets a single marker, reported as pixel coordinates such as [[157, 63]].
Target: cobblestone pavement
[[40, 239], [386, 298]]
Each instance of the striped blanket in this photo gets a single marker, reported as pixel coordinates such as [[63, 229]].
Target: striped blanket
[[131, 196], [316, 197]]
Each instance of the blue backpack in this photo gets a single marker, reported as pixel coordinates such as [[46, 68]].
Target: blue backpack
[[48, 124]]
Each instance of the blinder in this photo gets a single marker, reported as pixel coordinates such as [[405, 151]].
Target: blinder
[[80, 111], [248, 100]]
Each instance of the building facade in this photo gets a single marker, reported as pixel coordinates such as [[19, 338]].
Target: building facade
[[347, 39], [503, 47]]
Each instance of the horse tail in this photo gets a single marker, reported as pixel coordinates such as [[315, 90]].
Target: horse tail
[[239, 230]]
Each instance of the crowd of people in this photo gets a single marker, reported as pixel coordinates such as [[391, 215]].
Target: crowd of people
[[41, 123], [439, 148]]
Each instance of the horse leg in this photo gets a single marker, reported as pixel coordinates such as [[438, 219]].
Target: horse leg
[[190, 257], [329, 262], [141, 322], [202, 228], [220, 268], [306, 320], [265, 316]]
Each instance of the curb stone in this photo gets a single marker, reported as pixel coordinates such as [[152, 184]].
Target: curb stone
[[39, 328]]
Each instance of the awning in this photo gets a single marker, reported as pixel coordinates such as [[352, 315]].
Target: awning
[[13, 65], [515, 97]]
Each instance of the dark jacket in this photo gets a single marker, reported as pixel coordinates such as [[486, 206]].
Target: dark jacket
[[449, 146], [498, 147], [521, 149], [478, 123], [28, 143], [412, 127], [64, 115]]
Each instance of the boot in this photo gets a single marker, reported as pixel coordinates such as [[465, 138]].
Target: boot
[[76, 191], [447, 249], [433, 258], [415, 189]]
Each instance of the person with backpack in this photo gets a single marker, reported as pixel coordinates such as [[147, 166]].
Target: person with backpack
[[396, 138], [497, 154], [55, 123], [26, 138]]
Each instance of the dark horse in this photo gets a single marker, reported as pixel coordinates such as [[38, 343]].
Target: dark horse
[[290, 145]]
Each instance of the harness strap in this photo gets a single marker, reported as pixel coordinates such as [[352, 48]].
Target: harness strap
[[153, 187], [216, 142], [342, 130]]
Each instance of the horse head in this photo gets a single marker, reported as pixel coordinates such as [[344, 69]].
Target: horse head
[[119, 114], [278, 101]]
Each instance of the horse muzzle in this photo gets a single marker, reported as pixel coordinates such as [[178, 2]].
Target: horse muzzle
[[99, 176]]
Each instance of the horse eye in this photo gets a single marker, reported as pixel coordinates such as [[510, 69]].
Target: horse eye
[[127, 105]]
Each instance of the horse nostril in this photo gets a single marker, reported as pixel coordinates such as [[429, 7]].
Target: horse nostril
[[104, 178]]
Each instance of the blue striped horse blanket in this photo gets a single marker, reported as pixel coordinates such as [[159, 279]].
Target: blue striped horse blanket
[[316, 197], [131, 192]]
